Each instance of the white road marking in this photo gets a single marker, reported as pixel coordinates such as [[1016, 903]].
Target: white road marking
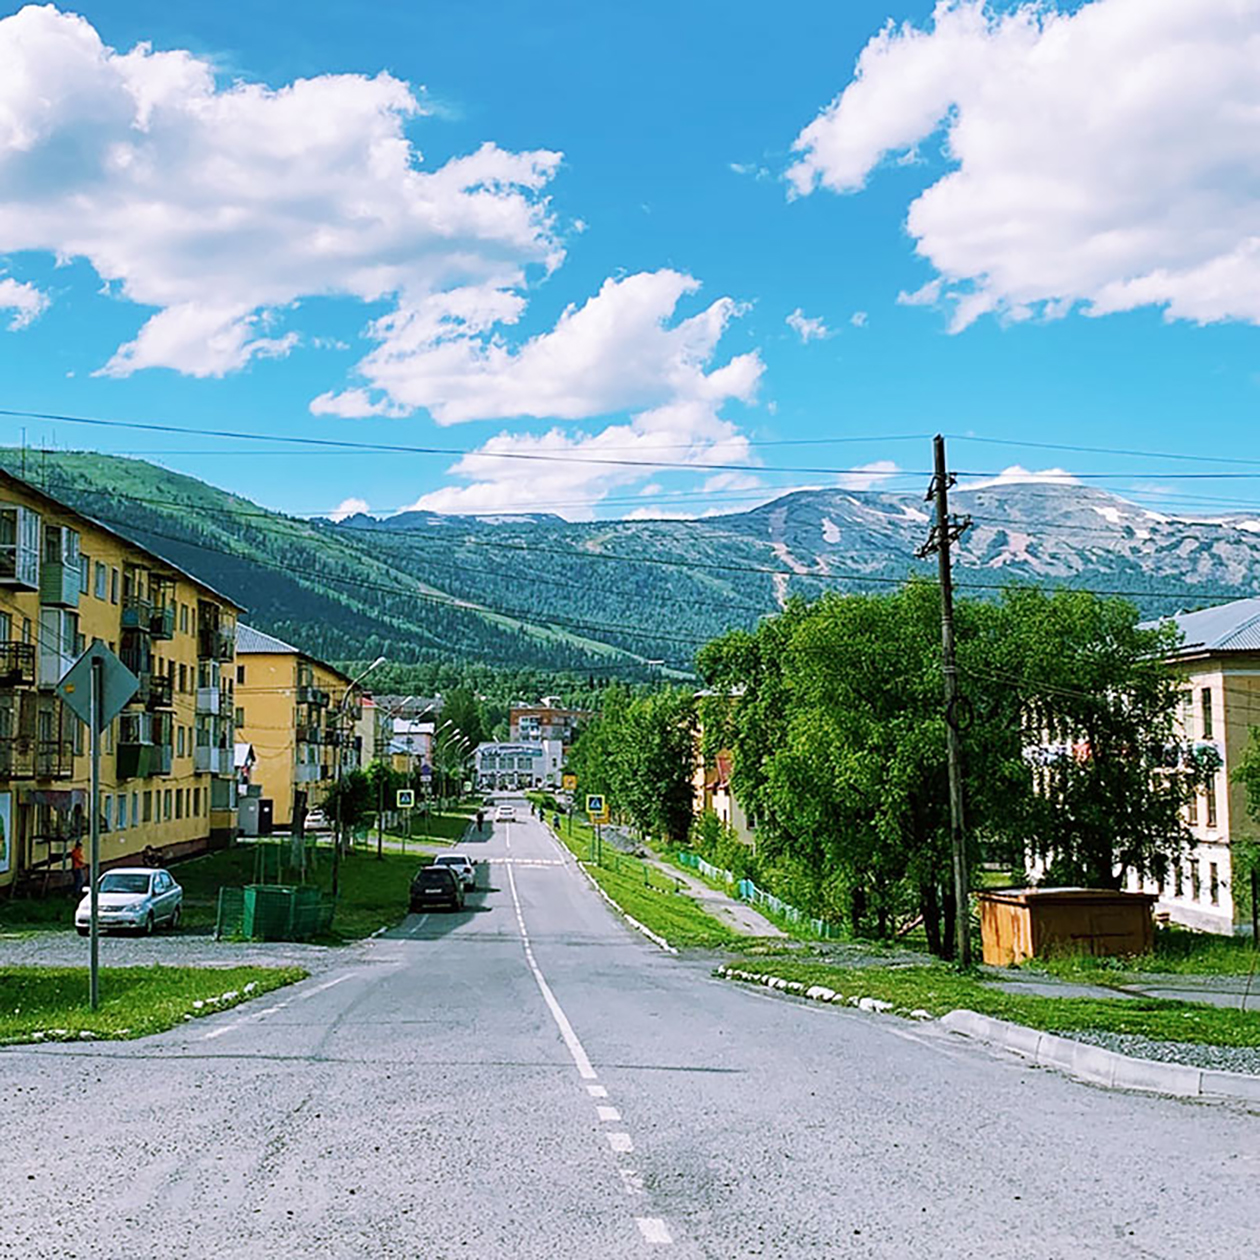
[[419, 924], [320, 988], [632, 1180], [653, 1229], [218, 1032], [597, 1091], [608, 1113], [562, 1021], [620, 1142]]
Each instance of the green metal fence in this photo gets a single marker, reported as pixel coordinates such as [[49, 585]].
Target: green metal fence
[[273, 912]]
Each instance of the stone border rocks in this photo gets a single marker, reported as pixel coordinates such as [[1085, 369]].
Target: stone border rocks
[[820, 993]]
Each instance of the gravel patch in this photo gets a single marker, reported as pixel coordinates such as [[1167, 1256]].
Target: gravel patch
[[177, 949], [1192, 1054]]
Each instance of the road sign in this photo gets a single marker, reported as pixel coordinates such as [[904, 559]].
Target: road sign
[[426, 772], [118, 685], [597, 809], [406, 798], [568, 782]]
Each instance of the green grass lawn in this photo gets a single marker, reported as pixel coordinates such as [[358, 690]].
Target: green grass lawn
[[646, 893], [51, 1003], [1176, 952], [940, 989], [20, 915]]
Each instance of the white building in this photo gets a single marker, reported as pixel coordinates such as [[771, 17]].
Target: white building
[[520, 765]]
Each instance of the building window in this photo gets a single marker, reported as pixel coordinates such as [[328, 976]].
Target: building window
[[179, 802], [113, 586], [85, 575], [1214, 885], [26, 629], [1195, 885], [102, 581], [1179, 888], [6, 627], [135, 809], [1205, 704], [240, 717], [179, 742], [196, 801], [107, 812], [166, 805], [183, 618], [122, 811], [148, 806], [240, 674], [183, 676], [1192, 810], [1211, 802]]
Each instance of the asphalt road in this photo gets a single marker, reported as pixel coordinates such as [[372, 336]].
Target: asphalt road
[[531, 1079]]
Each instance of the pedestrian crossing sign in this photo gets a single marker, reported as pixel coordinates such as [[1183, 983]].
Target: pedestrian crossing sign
[[597, 809], [406, 798]]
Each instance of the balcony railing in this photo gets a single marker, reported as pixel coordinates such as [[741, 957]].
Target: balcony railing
[[315, 696], [161, 692], [17, 665], [162, 621], [54, 759], [137, 614], [142, 761], [212, 760], [209, 700], [17, 757], [215, 644], [59, 584]]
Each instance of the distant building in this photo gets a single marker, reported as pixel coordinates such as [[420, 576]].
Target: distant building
[[519, 764], [547, 719]]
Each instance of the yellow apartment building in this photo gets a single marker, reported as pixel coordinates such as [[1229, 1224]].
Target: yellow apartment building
[[166, 763], [1219, 663], [292, 708]]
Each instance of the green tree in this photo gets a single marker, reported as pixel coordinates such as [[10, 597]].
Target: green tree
[[354, 795]]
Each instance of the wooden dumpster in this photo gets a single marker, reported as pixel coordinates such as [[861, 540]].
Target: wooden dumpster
[[1019, 923]]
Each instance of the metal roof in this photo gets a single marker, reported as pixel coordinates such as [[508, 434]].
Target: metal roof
[[1232, 627], [250, 640]]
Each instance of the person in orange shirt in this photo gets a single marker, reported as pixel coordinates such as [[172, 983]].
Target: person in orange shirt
[[78, 867]]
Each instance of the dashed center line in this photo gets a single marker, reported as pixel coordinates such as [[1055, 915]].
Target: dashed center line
[[608, 1113], [597, 1091], [620, 1142], [632, 1180]]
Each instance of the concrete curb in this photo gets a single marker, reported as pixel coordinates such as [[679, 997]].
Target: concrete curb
[[1104, 1067], [659, 941], [819, 993]]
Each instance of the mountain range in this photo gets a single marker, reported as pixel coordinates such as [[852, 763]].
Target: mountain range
[[538, 591]]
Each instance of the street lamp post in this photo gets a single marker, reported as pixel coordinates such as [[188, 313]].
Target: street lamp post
[[341, 767]]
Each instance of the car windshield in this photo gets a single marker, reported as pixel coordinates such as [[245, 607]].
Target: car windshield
[[124, 883], [450, 859]]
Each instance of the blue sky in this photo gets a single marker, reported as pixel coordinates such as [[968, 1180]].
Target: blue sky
[[1075, 230]]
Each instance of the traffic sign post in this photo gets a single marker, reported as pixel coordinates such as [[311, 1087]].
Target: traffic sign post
[[568, 782], [96, 688]]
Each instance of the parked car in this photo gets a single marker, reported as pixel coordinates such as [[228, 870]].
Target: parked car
[[434, 886], [136, 898], [462, 865], [317, 820], [505, 814]]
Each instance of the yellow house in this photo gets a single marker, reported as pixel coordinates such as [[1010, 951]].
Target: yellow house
[[166, 774], [294, 710], [1219, 663]]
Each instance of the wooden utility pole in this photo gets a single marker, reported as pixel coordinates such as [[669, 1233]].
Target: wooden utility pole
[[946, 531]]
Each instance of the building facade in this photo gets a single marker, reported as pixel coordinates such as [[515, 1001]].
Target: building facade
[[294, 710], [166, 761], [547, 719], [1219, 664], [527, 764]]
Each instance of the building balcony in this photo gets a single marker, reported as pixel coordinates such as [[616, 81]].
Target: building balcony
[[53, 664], [315, 696], [59, 584], [54, 759], [17, 757], [215, 644], [17, 665], [309, 735], [137, 614], [212, 760], [161, 692], [162, 621], [209, 700], [306, 774], [143, 761]]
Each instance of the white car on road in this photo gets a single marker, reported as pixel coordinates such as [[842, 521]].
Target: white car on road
[[462, 865], [505, 814], [137, 898]]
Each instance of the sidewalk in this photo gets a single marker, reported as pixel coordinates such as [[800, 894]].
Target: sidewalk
[[736, 914]]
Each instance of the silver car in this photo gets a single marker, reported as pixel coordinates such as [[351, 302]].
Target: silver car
[[461, 864], [132, 898]]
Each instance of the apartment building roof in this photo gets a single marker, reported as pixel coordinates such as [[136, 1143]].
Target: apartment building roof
[[7, 480], [250, 640], [1232, 627]]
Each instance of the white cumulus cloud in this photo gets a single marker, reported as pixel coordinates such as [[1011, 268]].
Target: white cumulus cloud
[[867, 476], [1108, 156], [807, 328], [222, 206], [25, 301], [1016, 473], [348, 507]]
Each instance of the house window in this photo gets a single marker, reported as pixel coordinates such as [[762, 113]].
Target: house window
[[1205, 705], [122, 811], [1192, 810], [240, 717], [183, 618], [148, 806], [6, 627], [135, 809], [85, 575], [166, 805], [1196, 886], [179, 802], [183, 676], [1211, 802], [179, 742], [1179, 888], [26, 629], [196, 800], [102, 581], [240, 674], [107, 812], [1214, 885]]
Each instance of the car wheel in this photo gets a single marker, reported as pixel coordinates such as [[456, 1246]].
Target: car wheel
[[174, 923], [81, 931], [148, 924]]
